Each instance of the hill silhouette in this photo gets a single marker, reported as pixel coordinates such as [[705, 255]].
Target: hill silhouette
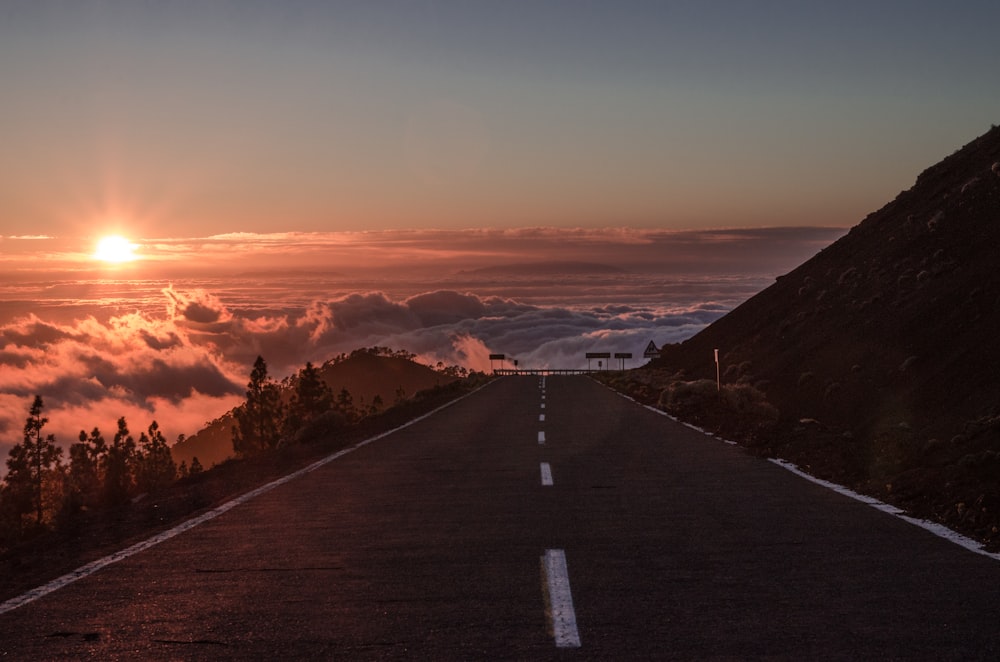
[[880, 352], [363, 374]]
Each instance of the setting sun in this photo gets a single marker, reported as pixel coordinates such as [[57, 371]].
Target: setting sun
[[115, 248]]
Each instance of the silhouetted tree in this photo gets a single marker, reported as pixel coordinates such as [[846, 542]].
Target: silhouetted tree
[[119, 466], [259, 418], [30, 465], [18, 488], [84, 475], [196, 467], [345, 405], [311, 398], [155, 468]]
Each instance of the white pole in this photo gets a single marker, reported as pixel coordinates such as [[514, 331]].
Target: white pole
[[718, 378]]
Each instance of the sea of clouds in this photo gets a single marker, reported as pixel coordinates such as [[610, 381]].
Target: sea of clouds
[[180, 353], [154, 341]]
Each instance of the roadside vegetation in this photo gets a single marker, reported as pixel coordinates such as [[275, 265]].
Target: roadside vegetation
[[60, 508], [879, 354], [953, 481]]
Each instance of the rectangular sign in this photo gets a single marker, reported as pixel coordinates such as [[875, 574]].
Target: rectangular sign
[[623, 355], [497, 357], [598, 355]]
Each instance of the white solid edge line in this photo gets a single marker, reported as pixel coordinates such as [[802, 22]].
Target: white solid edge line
[[94, 566], [546, 470], [939, 530], [562, 616]]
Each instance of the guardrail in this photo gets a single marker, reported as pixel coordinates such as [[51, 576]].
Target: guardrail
[[549, 371]]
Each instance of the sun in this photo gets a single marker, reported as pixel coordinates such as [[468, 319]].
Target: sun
[[115, 248]]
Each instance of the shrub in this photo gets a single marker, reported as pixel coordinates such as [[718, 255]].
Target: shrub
[[739, 410]]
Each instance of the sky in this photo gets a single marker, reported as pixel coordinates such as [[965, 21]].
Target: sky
[[297, 179], [186, 118]]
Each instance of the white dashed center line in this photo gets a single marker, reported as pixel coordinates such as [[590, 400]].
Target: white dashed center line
[[546, 474], [541, 417], [541, 437], [559, 600]]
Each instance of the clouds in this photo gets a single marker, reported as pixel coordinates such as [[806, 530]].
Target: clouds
[[182, 356], [198, 307], [172, 336]]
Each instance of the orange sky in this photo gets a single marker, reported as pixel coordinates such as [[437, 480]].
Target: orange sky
[[439, 252], [192, 119], [303, 177]]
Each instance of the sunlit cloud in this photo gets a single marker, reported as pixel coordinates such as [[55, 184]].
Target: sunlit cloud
[[186, 359], [143, 341]]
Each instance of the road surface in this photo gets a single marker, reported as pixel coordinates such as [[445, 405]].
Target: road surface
[[539, 518]]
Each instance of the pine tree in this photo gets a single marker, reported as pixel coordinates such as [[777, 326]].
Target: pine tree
[[259, 419], [196, 467], [311, 398], [155, 468], [119, 466], [31, 465], [18, 489], [84, 478], [345, 405], [312, 395]]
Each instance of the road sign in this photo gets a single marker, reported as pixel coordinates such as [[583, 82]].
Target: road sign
[[623, 355], [497, 357], [598, 355], [651, 351]]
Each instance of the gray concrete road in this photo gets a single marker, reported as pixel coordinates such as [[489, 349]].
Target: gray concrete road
[[442, 541]]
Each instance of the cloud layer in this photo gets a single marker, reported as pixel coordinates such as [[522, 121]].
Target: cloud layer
[[182, 356], [172, 336]]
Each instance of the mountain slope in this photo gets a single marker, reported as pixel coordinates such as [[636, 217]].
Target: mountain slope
[[887, 338], [363, 374], [368, 375]]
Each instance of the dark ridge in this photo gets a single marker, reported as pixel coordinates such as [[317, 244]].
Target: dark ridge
[[886, 339]]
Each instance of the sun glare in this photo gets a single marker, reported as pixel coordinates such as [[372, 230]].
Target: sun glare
[[115, 248]]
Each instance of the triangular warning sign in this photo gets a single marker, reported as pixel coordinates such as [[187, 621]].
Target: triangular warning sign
[[651, 351]]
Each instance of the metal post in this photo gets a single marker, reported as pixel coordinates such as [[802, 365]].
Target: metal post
[[718, 374]]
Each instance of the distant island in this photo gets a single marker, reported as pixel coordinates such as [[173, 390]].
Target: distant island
[[545, 269]]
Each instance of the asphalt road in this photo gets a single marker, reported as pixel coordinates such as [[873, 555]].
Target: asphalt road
[[441, 541]]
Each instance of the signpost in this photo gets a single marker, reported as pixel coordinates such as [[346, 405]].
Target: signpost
[[621, 356], [651, 351], [496, 357], [597, 355]]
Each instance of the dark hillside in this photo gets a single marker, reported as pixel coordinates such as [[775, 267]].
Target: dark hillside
[[368, 375], [363, 374], [887, 338]]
